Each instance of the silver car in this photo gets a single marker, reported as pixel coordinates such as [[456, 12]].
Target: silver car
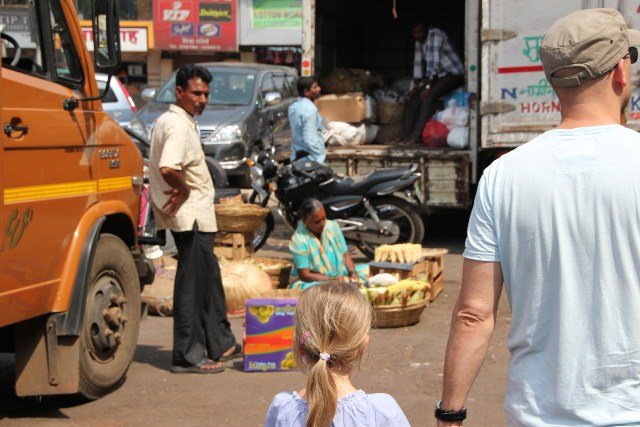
[[247, 112], [117, 102]]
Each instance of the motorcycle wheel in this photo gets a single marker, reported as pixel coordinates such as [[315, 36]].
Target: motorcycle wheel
[[263, 231], [402, 213]]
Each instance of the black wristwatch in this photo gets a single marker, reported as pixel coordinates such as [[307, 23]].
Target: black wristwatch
[[449, 416]]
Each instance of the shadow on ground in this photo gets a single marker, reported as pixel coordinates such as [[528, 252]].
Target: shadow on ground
[[14, 407]]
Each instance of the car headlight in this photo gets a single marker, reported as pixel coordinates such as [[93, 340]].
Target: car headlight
[[225, 135]]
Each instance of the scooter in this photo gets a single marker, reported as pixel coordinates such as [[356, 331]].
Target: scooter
[[382, 207]]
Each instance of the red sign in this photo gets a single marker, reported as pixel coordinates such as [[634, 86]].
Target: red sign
[[205, 25]]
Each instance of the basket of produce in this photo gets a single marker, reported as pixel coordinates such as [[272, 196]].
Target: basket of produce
[[240, 217], [277, 268], [397, 304]]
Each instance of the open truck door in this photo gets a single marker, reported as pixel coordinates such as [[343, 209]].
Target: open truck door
[[517, 101]]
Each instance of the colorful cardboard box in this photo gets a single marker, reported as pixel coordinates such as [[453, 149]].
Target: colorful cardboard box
[[269, 330]]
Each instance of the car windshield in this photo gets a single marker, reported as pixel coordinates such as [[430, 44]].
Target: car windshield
[[227, 88]]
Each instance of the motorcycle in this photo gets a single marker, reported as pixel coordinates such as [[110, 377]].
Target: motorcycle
[[382, 207], [157, 242]]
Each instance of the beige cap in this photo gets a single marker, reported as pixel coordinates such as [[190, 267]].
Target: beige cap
[[593, 40]]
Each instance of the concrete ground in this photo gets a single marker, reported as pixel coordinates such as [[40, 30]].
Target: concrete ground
[[404, 362]]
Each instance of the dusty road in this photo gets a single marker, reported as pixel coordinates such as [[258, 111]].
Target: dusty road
[[404, 362]]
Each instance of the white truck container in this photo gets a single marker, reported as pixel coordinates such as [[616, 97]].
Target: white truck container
[[513, 102]]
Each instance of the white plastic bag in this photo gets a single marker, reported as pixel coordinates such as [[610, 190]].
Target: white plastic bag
[[458, 137], [453, 115], [382, 279], [341, 133]]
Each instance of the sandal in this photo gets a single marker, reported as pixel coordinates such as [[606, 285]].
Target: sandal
[[237, 353], [199, 368]]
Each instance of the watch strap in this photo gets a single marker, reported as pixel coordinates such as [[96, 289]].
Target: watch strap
[[449, 416]]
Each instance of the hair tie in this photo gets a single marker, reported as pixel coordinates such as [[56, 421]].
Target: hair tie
[[304, 337], [325, 356]]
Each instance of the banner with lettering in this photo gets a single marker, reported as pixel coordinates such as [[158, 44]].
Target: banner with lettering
[[205, 25], [277, 14]]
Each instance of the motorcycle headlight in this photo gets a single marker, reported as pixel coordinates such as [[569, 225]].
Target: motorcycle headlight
[[225, 135], [256, 176]]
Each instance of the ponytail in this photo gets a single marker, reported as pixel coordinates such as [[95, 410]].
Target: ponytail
[[333, 321], [322, 395]]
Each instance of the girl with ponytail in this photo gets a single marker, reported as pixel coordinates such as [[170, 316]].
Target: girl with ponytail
[[333, 321]]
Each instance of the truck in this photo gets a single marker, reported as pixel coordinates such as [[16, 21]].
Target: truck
[[510, 100], [71, 268]]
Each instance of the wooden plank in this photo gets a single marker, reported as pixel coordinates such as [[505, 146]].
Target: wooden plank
[[233, 245], [442, 187], [444, 199], [436, 287]]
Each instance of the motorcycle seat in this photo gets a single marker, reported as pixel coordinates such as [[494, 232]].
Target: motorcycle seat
[[361, 184]]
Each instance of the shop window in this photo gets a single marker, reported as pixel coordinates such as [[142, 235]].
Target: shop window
[[289, 56], [67, 65], [20, 18]]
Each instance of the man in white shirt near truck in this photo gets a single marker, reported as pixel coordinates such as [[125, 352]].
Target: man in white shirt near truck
[[558, 221]]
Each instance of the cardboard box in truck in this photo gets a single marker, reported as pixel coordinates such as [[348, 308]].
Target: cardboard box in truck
[[349, 108]]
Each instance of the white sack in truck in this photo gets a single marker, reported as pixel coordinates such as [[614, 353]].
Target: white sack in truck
[[341, 133], [453, 115], [458, 137]]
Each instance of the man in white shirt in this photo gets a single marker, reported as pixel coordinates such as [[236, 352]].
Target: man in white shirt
[[558, 221], [182, 196]]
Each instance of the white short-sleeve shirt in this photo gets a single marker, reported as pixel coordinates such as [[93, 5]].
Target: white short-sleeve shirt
[[175, 143], [562, 216]]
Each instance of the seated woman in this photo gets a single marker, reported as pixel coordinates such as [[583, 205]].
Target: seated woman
[[319, 250]]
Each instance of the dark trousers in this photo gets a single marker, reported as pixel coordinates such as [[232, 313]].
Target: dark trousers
[[419, 111], [200, 325]]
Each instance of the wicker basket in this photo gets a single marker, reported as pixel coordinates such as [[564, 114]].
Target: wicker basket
[[240, 217], [277, 268], [396, 316]]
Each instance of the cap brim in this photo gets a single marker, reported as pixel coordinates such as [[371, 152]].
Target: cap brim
[[634, 38]]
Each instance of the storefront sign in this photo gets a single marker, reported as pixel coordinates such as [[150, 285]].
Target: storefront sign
[[131, 39], [17, 23], [276, 14], [195, 25]]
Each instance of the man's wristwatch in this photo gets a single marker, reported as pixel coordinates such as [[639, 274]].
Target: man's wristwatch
[[450, 416]]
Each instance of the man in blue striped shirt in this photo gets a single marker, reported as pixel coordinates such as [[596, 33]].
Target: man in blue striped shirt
[[437, 70]]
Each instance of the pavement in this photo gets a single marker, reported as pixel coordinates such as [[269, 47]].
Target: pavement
[[404, 362]]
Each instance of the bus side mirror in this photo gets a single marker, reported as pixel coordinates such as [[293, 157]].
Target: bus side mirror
[[106, 36]]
